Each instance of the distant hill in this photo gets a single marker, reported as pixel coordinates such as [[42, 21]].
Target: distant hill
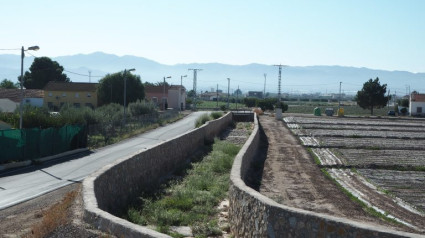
[[295, 79]]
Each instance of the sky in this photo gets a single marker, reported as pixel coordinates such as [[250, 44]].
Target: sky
[[378, 34]]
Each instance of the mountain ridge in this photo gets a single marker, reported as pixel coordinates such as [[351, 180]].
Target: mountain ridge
[[249, 77]]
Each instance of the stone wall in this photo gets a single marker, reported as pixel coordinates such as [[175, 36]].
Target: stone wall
[[254, 215], [108, 191]]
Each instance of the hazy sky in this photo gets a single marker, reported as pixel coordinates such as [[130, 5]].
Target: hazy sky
[[379, 34]]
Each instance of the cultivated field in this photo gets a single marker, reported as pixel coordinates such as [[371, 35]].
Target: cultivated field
[[381, 161]]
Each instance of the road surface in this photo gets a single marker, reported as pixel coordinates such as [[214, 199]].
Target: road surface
[[31, 182]]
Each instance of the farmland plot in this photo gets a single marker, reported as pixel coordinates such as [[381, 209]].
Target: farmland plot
[[355, 121], [389, 156], [361, 133], [355, 127], [371, 143], [407, 185], [385, 158]]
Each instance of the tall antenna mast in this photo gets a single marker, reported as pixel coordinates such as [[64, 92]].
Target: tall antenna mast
[[264, 92], [280, 79]]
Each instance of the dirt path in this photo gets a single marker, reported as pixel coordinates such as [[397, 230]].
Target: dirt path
[[292, 178]]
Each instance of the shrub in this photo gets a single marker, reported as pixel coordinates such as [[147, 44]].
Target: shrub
[[141, 107], [216, 115], [250, 102], [282, 105], [202, 120], [267, 103]]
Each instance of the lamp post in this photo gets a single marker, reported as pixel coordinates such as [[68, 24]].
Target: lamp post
[[180, 95], [125, 92], [163, 94], [228, 92], [22, 81]]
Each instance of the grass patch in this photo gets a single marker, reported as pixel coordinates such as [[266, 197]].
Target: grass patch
[[54, 217], [355, 199], [193, 200]]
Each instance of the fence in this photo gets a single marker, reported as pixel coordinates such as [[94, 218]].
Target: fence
[[27, 144]]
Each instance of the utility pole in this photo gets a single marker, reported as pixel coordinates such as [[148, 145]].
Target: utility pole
[[163, 95], [228, 92], [195, 74], [237, 98], [180, 92], [89, 76], [264, 91], [280, 79], [339, 100], [217, 95]]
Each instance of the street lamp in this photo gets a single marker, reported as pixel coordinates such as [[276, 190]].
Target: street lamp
[[228, 92], [180, 95], [125, 91], [22, 79], [163, 94]]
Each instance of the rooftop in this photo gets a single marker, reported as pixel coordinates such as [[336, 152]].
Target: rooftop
[[15, 94], [68, 86]]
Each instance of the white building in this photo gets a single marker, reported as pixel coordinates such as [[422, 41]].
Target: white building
[[417, 104]]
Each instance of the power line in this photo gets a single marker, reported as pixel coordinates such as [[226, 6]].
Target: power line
[[10, 49], [86, 75]]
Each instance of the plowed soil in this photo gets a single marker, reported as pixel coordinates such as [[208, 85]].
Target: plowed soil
[[292, 178]]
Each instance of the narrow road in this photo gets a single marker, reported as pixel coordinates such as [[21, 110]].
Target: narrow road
[[34, 182]]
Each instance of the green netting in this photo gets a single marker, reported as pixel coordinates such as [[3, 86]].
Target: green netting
[[18, 145]]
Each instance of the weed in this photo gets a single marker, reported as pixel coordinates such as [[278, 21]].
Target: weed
[[216, 115], [202, 120], [193, 200], [54, 217], [315, 157]]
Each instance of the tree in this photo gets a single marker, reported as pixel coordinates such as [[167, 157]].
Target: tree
[[111, 88], [372, 95], [404, 102], [42, 71], [191, 94], [238, 92], [8, 84]]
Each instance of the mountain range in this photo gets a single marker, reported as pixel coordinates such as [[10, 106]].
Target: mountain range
[[250, 77]]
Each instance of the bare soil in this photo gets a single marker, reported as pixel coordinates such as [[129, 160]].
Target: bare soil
[[291, 177], [19, 220]]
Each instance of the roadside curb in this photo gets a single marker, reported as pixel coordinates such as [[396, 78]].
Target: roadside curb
[[40, 160], [15, 165]]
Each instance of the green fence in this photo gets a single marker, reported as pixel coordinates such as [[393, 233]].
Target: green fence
[[27, 144]]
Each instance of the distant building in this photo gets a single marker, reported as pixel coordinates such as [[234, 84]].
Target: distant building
[[168, 96], [33, 97], [417, 104], [7, 105], [177, 97], [56, 94], [255, 94]]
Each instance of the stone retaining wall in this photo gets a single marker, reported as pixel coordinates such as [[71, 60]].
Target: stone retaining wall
[[108, 191], [254, 215]]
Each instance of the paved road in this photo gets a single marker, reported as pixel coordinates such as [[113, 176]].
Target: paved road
[[38, 180]]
